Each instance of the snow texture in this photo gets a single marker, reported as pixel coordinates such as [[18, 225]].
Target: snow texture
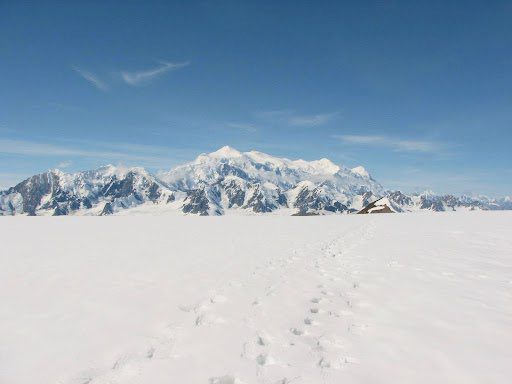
[[337, 299]]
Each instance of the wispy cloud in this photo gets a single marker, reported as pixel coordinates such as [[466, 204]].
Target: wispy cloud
[[242, 126], [146, 155], [91, 78], [395, 144], [64, 164], [146, 76], [273, 114], [290, 118], [312, 120]]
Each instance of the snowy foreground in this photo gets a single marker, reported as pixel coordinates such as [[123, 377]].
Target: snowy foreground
[[410, 298]]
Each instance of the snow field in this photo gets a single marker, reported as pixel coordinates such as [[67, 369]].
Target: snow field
[[362, 299]]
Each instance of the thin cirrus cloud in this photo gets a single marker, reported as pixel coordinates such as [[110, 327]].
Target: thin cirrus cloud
[[242, 127], [64, 164], [146, 154], [399, 145], [290, 118], [92, 79], [312, 120], [146, 76]]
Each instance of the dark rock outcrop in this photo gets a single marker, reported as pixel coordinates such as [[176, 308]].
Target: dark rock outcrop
[[197, 202], [377, 206]]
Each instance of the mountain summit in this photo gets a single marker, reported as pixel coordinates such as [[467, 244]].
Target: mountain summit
[[219, 182], [225, 152]]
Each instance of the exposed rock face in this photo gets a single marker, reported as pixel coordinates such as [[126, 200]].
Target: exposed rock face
[[260, 202], [234, 192], [316, 200], [107, 210], [449, 202], [399, 201], [33, 189], [197, 202], [56, 193], [379, 206]]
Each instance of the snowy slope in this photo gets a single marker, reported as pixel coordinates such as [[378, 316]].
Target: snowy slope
[[263, 183], [259, 167], [353, 299]]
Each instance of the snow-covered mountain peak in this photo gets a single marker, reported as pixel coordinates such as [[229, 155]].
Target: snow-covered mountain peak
[[56, 171], [427, 192], [258, 159], [361, 171], [327, 164], [317, 167], [225, 152], [260, 167], [120, 171], [263, 158]]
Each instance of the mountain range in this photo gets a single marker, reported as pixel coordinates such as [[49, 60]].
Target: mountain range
[[222, 182]]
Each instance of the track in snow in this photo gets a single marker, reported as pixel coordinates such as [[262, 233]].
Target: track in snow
[[404, 298], [287, 321]]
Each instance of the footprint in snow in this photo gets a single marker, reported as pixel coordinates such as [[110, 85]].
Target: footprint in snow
[[309, 321], [323, 363], [150, 353], [263, 339], [228, 379], [205, 319], [188, 308], [84, 380], [261, 359], [333, 314], [297, 331]]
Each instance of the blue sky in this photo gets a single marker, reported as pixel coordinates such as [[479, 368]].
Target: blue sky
[[420, 93]]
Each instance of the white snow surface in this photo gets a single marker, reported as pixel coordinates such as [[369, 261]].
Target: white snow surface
[[360, 170], [412, 298]]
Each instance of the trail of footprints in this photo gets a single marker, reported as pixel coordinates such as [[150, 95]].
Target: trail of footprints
[[328, 268], [327, 348], [129, 365]]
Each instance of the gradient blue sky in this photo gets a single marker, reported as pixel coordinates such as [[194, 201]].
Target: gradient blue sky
[[420, 93]]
